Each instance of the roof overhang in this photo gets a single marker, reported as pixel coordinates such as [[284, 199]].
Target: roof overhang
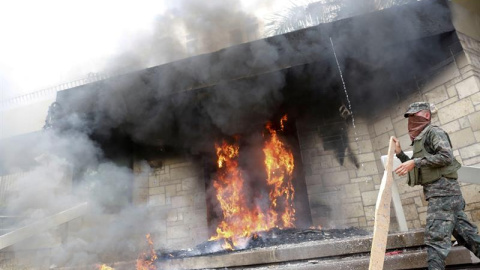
[[395, 45]]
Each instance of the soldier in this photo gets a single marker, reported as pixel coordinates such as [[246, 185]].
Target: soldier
[[435, 168]]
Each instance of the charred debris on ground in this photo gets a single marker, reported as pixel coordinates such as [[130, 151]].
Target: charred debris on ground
[[274, 237]]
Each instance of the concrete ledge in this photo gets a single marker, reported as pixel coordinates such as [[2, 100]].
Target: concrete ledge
[[351, 253], [407, 260], [412, 259], [42, 225], [293, 252]]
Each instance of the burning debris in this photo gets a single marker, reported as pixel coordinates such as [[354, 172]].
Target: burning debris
[[105, 267], [146, 260], [272, 237]]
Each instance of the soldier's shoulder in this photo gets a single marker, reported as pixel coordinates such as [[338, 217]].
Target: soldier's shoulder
[[436, 130]]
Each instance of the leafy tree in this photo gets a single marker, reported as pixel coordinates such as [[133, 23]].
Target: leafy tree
[[306, 13]]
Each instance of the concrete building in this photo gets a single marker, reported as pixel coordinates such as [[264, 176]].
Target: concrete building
[[162, 122]]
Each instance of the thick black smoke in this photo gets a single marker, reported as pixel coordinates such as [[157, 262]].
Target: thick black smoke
[[233, 90]]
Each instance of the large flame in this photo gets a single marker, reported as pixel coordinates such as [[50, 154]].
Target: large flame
[[279, 164], [242, 218], [239, 220], [146, 260]]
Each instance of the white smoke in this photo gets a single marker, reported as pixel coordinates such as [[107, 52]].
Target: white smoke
[[112, 228]]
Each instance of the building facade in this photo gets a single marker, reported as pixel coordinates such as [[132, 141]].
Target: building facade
[[339, 151]]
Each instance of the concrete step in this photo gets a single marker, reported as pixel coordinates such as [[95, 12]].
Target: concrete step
[[404, 251], [348, 253], [410, 259]]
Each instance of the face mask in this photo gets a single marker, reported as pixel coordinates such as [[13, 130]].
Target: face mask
[[416, 124]]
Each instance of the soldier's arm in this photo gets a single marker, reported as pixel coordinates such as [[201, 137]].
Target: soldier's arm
[[398, 150], [442, 155], [403, 157]]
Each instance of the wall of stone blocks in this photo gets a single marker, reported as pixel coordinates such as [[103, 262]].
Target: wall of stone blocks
[[35, 252], [10, 260], [342, 195], [174, 190], [455, 91], [471, 46]]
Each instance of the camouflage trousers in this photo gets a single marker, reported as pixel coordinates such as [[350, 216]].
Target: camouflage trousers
[[445, 217]]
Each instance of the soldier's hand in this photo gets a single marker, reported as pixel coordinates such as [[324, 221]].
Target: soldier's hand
[[398, 147], [405, 167]]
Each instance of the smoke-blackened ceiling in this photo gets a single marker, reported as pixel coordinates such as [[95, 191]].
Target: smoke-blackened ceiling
[[237, 89]]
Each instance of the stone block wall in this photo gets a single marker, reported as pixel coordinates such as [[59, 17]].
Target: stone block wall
[[35, 251], [7, 185], [455, 91], [174, 190], [25, 259], [340, 195], [343, 195], [471, 47]]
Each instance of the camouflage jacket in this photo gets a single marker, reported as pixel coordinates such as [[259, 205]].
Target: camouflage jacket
[[437, 144]]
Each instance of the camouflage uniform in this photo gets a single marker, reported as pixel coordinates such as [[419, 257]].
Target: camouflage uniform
[[445, 214]]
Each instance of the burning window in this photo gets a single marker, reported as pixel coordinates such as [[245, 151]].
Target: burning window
[[250, 207]]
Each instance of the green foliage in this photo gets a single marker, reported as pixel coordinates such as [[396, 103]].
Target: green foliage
[[306, 13]]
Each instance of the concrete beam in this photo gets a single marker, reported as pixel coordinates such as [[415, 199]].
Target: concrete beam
[[406, 260], [294, 252], [349, 253], [40, 226]]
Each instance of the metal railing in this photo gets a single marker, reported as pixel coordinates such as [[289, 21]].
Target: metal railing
[[92, 77], [7, 184], [9, 223]]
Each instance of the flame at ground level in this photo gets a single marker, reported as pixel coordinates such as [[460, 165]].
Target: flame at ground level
[[243, 217], [146, 260], [105, 267]]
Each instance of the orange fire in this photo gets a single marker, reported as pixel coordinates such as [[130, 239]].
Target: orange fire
[[280, 164], [105, 267], [242, 218], [145, 263]]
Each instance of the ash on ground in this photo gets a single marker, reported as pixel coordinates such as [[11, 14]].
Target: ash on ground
[[270, 238]]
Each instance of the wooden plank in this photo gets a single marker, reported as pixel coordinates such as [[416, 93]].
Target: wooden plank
[[382, 214]]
